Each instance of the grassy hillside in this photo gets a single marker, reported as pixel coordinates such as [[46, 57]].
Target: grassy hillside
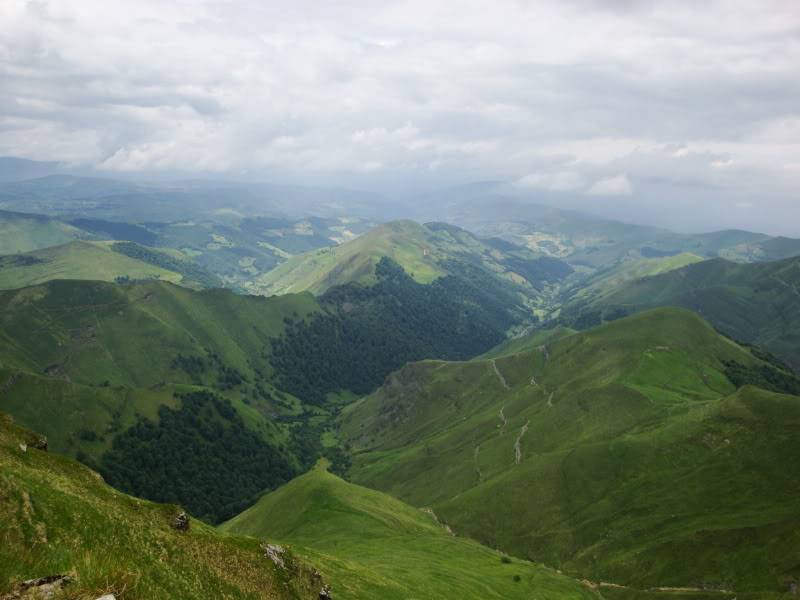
[[94, 366], [93, 332], [21, 232], [758, 303], [76, 260], [370, 545], [104, 370], [621, 454], [605, 282], [57, 517], [425, 252]]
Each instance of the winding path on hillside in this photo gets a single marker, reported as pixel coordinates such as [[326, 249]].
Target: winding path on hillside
[[504, 420], [518, 443], [499, 374]]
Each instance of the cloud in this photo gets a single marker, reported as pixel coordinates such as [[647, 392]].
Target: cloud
[[551, 95], [618, 185]]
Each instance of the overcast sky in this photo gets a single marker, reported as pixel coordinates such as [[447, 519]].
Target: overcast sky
[[686, 114]]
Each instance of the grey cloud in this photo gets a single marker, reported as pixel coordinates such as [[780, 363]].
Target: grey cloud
[[559, 94]]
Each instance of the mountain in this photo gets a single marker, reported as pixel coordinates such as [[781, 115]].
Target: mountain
[[63, 527], [622, 454], [426, 252], [370, 545], [22, 232], [15, 169], [758, 303], [594, 287], [582, 239], [118, 374], [77, 260]]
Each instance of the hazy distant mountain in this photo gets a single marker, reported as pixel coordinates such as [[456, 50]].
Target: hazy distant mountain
[[15, 169]]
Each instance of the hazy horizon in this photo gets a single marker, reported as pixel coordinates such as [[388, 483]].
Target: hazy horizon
[[659, 113]]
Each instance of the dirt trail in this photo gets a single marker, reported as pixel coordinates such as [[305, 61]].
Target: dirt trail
[[429, 510], [518, 443], [504, 420], [499, 374], [550, 400]]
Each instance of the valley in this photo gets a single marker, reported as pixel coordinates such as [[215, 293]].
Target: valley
[[557, 407]]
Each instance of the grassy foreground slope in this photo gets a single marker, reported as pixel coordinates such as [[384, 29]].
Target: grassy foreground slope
[[58, 517], [22, 232], [620, 454], [758, 303], [370, 545], [76, 260]]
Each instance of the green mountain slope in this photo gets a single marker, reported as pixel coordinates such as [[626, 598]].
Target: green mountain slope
[[93, 332], [370, 545], [57, 517], [758, 303], [76, 260], [605, 282], [21, 232], [621, 454], [425, 252], [106, 371]]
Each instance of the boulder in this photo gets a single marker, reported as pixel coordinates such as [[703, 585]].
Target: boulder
[[181, 521]]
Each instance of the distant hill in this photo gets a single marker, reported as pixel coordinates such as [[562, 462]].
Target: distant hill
[[606, 281], [23, 232], [585, 240], [425, 252], [16, 169], [370, 545], [65, 529], [757, 303], [76, 196], [623, 454], [76, 260]]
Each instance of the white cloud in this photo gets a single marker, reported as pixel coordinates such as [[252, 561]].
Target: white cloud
[[618, 185], [553, 95]]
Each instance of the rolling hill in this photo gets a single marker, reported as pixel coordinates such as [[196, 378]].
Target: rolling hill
[[757, 303], [65, 533], [77, 260], [22, 232], [621, 454], [425, 252], [594, 287], [370, 545], [585, 240]]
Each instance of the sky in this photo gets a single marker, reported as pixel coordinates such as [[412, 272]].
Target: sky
[[679, 113]]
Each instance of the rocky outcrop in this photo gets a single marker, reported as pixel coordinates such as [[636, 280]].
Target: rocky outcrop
[[325, 593], [274, 552], [181, 521], [42, 588]]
